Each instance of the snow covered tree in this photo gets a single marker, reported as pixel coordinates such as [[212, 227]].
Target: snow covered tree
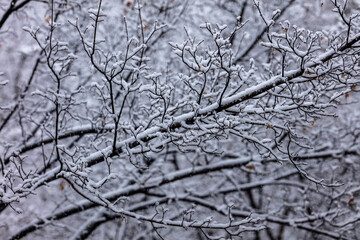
[[174, 119]]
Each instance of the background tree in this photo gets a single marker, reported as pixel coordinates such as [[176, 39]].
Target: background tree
[[179, 119]]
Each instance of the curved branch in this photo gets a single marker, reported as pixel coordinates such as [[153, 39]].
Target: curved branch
[[12, 8]]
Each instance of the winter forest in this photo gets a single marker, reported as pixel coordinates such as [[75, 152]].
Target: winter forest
[[179, 119]]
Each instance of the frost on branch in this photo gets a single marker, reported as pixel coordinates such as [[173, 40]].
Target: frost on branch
[[179, 119]]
